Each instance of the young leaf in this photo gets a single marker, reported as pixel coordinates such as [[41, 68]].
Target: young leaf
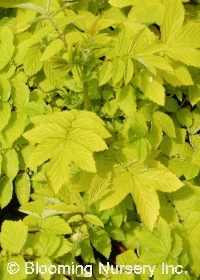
[[151, 86], [5, 113], [46, 245], [98, 237], [20, 93], [6, 191], [146, 200], [105, 72], [98, 188], [76, 144], [32, 63], [117, 193], [55, 225], [16, 259], [22, 188], [6, 46], [93, 220], [117, 72], [54, 47], [120, 3], [185, 117], [173, 21], [86, 251], [13, 236], [10, 163], [160, 179], [15, 126], [126, 100], [129, 71], [165, 122], [5, 88], [33, 208]]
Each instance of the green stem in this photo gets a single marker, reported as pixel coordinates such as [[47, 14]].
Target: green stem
[[61, 36], [85, 97]]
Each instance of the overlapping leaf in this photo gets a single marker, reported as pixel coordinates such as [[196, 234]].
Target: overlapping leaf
[[64, 138], [180, 40]]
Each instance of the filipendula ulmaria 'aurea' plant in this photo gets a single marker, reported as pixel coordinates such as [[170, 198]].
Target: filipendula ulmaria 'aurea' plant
[[99, 139]]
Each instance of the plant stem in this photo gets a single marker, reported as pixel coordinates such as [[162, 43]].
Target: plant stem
[[61, 36], [85, 97]]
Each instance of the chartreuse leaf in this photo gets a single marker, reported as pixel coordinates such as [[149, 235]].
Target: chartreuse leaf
[[33, 208], [23, 18], [93, 220], [135, 127], [62, 208], [15, 126], [185, 117], [54, 47], [55, 225], [6, 191], [58, 169], [32, 63], [179, 43], [147, 12], [13, 236], [121, 3], [173, 21], [157, 244], [194, 93], [177, 245], [146, 54], [5, 88], [22, 187], [160, 179], [144, 192], [117, 193], [196, 158], [105, 72], [188, 36], [64, 248], [178, 77], [20, 93], [165, 122], [10, 163], [190, 170], [86, 251], [126, 100], [109, 108], [6, 46], [4, 274], [97, 238], [196, 121], [151, 86], [98, 188], [182, 54], [117, 72], [128, 72], [62, 146], [5, 112], [147, 203], [45, 245]]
